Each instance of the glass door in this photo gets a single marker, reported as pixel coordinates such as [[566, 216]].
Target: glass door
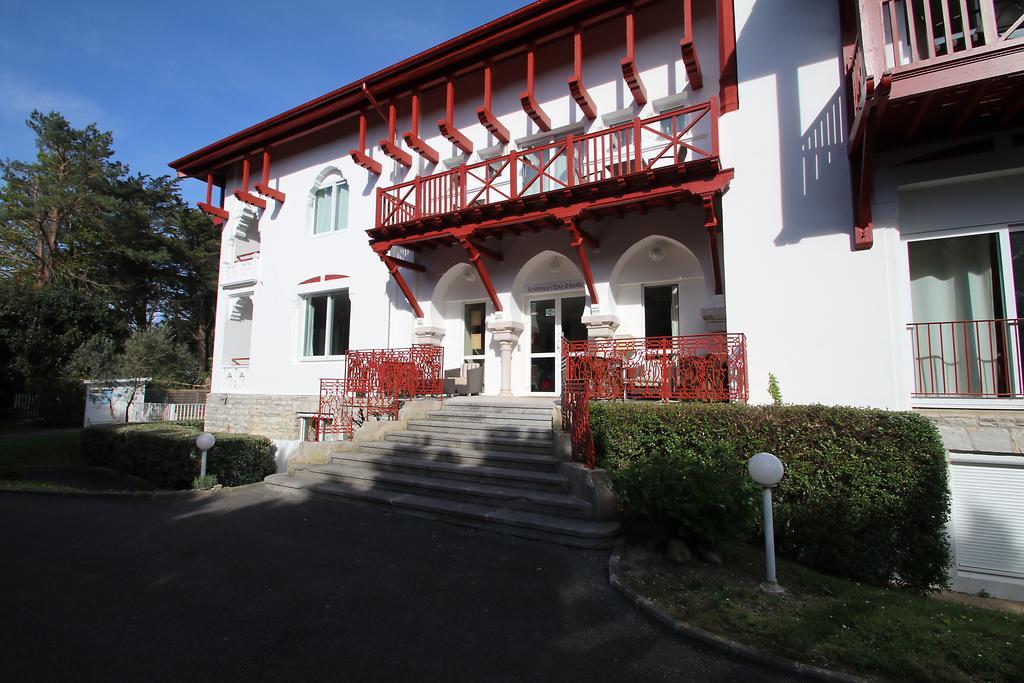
[[474, 316], [550, 320]]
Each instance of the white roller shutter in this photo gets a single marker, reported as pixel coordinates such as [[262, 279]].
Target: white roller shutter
[[988, 513]]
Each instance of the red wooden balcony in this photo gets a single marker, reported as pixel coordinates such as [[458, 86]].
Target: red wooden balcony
[[658, 150], [967, 359]]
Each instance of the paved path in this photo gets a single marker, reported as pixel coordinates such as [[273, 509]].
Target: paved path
[[251, 584]]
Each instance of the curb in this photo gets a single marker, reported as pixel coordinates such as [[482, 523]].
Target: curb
[[724, 644], [128, 495]]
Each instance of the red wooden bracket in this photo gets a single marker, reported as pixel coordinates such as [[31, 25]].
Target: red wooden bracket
[[576, 87], [217, 214], [486, 116], [481, 269], [528, 100], [629, 70], [244, 195], [388, 146], [487, 251], [393, 265], [263, 187], [864, 176], [447, 124], [728, 85], [359, 157], [711, 224], [579, 238], [412, 138], [689, 50]]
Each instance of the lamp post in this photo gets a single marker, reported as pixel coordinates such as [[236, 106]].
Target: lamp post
[[767, 470], [204, 442]]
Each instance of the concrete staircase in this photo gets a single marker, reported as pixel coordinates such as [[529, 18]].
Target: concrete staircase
[[480, 462]]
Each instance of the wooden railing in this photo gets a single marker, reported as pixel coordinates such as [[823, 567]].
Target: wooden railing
[[920, 30], [967, 359], [673, 138], [705, 367]]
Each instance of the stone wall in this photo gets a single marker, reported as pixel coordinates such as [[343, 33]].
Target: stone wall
[[979, 431], [271, 415]]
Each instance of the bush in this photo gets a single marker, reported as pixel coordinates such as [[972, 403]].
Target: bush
[[865, 494], [703, 498], [165, 453]]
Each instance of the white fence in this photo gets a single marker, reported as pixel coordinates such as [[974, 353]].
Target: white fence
[[160, 412], [26, 405]]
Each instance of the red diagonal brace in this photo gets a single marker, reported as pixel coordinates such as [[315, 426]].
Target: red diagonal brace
[[486, 116], [481, 269], [393, 266], [447, 124], [528, 100], [689, 50], [578, 239], [263, 187], [576, 87]]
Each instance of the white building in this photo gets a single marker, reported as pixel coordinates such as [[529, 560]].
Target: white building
[[845, 200]]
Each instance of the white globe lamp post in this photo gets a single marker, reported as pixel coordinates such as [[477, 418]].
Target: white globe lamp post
[[204, 442], [767, 470]]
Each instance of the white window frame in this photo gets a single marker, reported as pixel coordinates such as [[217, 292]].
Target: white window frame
[[336, 185], [307, 309]]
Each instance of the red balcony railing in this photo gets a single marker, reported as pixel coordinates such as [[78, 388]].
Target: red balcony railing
[[967, 359], [705, 367], [376, 381], [678, 137], [919, 30]]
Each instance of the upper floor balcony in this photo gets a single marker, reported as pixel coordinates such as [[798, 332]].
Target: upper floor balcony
[[666, 153]]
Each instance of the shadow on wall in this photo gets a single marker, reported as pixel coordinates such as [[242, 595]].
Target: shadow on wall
[[814, 170]]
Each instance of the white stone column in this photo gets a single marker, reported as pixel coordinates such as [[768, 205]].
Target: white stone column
[[506, 334], [425, 334], [600, 325]]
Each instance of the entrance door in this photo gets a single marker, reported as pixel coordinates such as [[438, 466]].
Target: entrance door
[[550, 320], [473, 342]]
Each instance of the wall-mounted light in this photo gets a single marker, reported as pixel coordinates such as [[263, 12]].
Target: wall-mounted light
[[657, 252]]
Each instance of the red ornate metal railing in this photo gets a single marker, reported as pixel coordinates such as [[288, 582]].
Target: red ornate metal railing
[[919, 30], [376, 382], [705, 367], [677, 137], [967, 359]]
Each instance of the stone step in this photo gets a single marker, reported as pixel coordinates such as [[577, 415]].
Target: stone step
[[542, 502], [543, 420], [573, 532], [534, 433], [465, 456], [480, 474], [496, 406], [458, 439]]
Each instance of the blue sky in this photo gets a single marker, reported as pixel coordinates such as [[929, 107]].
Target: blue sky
[[168, 78]]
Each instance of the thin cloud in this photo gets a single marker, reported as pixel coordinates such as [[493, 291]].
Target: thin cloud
[[20, 97]]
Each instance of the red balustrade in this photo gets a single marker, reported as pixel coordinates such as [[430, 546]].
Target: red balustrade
[[673, 138], [376, 381], [967, 359], [706, 367]]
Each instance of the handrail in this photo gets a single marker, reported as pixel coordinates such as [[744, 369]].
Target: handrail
[[672, 138], [968, 358]]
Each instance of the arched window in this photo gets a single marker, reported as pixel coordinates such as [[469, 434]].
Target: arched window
[[329, 198]]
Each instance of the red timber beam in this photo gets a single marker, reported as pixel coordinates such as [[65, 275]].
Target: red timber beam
[[359, 156], [447, 124], [711, 225], [527, 98], [629, 70], [244, 195], [576, 87], [486, 116], [728, 84], [475, 258], [216, 213], [412, 138], [393, 264], [689, 50], [388, 146], [263, 187], [579, 239], [862, 152]]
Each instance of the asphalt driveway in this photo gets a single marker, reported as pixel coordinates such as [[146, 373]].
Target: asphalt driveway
[[255, 585]]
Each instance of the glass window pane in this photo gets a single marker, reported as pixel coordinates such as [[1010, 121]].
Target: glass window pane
[[542, 374], [341, 207], [474, 321], [661, 311], [572, 311], [316, 325], [542, 326], [340, 323], [322, 210]]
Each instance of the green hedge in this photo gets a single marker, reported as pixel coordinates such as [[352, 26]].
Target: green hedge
[[865, 493], [165, 453]]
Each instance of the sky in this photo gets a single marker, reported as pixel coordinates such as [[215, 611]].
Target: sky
[[170, 77]]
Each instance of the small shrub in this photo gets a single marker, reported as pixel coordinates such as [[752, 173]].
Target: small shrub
[[165, 453], [702, 497], [773, 389], [865, 494], [207, 482]]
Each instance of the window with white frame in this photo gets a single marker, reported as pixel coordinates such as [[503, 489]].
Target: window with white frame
[[326, 327], [330, 207]]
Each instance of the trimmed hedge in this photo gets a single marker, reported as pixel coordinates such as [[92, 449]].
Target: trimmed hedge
[[865, 493], [165, 453]]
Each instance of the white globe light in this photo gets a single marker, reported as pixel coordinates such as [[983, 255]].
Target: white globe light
[[205, 441], [765, 469], [657, 253], [555, 264]]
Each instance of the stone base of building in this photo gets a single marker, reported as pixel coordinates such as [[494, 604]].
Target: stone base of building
[[271, 415], [979, 430]]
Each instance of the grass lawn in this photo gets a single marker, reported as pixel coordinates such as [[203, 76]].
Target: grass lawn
[[833, 623], [28, 485], [38, 448]]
